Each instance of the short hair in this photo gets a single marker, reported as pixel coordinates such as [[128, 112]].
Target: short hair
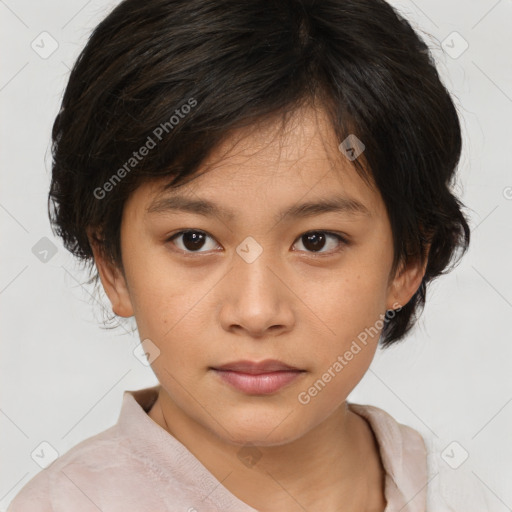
[[199, 69]]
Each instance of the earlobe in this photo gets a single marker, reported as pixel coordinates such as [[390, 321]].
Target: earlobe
[[114, 283], [406, 282]]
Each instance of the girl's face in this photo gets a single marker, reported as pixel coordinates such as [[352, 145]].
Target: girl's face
[[249, 282]]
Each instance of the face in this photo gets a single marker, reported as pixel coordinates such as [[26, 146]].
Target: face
[[308, 287]]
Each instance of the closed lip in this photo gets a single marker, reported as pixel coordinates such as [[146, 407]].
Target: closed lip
[[257, 367]]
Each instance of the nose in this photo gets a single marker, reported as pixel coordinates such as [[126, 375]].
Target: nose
[[256, 299]]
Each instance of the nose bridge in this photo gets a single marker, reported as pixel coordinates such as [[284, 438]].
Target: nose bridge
[[256, 297], [252, 262]]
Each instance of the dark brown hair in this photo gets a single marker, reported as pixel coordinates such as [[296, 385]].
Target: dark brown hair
[[198, 69]]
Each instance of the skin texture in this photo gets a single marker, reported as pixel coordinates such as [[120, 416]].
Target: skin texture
[[292, 303]]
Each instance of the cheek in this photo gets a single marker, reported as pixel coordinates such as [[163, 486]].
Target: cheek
[[164, 309], [161, 293], [343, 353], [351, 300], [351, 306], [169, 304]]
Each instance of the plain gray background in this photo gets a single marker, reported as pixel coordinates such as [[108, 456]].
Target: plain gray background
[[62, 376]]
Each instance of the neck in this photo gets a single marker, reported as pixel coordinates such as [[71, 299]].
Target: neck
[[334, 466]]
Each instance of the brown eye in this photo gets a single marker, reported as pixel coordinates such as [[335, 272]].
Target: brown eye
[[315, 241], [192, 240]]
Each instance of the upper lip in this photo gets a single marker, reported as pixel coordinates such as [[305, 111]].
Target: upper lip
[[254, 367]]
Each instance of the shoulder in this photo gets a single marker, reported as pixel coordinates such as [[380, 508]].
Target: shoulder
[[76, 477], [450, 484], [404, 459], [33, 496], [83, 478], [453, 486], [400, 445]]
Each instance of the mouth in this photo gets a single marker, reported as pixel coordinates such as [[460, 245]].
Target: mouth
[[258, 378]]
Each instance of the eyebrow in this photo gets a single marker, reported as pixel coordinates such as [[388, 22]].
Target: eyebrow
[[336, 204]]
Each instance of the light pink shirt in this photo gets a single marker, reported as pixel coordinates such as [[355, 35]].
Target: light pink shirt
[[137, 466]]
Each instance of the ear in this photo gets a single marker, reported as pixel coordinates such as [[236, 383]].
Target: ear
[[113, 281], [405, 283]]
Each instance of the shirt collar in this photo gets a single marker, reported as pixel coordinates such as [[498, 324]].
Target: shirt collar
[[404, 457], [401, 448]]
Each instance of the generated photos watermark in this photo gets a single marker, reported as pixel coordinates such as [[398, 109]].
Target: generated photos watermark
[[304, 397], [151, 142]]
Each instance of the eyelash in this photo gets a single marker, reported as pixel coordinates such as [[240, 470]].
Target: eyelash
[[343, 241]]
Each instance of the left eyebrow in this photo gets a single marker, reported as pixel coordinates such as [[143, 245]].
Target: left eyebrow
[[337, 204]]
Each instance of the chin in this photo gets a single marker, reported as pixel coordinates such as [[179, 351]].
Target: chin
[[257, 431]]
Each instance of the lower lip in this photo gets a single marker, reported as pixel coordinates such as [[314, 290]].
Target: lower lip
[[258, 384]]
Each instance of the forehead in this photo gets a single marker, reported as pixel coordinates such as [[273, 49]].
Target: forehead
[[267, 165], [301, 143]]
